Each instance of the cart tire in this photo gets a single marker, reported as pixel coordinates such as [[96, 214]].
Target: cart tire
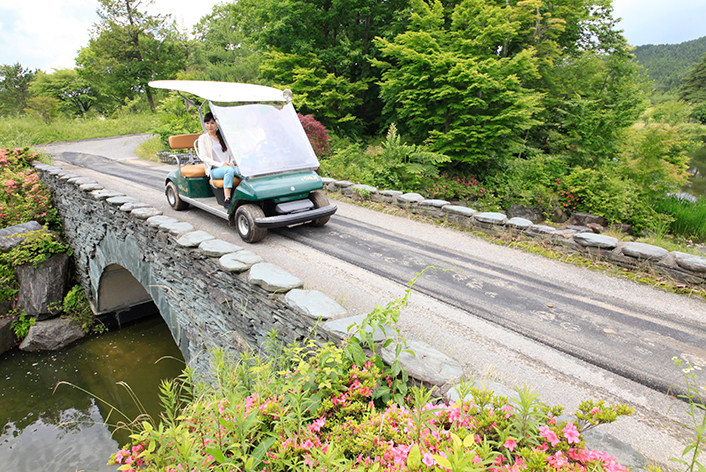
[[173, 197], [245, 218], [320, 200]]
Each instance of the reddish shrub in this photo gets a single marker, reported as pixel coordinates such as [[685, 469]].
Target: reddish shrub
[[318, 136]]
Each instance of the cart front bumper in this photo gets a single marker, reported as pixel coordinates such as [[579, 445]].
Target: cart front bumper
[[295, 218]]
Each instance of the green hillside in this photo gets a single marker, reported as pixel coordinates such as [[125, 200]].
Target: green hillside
[[668, 64]]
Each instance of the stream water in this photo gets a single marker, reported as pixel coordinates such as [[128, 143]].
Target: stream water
[[65, 430]]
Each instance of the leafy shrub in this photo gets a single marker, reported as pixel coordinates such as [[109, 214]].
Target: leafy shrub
[[325, 408], [390, 165], [37, 247], [23, 197], [317, 414], [76, 307], [317, 134], [606, 194], [22, 324]]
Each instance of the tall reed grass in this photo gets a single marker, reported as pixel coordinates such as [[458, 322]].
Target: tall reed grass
[[689, 216], [22, 131]]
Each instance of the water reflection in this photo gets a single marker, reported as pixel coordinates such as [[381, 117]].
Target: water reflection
[[697, 169], [65, 430]]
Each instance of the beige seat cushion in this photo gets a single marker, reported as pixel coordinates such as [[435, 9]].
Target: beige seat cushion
[[193, 170], [219, 183], [183, 141]]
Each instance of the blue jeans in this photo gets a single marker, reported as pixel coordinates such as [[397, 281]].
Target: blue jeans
[[227, 173]]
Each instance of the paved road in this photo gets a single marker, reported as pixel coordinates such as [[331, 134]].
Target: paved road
[[570, 333]]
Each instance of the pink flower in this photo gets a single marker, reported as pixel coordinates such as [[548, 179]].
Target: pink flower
[[558, 460], [571, 433], [549, 435], [428, 459], [510, 444]]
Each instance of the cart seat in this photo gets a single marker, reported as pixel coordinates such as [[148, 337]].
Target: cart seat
[[193, 170], [183, 141]]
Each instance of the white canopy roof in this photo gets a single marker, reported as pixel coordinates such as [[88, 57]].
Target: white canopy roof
[[222, 91]]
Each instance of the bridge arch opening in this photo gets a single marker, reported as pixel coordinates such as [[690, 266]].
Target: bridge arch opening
[[119, 290]]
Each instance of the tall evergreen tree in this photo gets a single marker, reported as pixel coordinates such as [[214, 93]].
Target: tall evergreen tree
[[694, 87], [14, 88]]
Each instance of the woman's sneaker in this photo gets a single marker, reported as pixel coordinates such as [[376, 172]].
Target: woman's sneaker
[[226, 204]]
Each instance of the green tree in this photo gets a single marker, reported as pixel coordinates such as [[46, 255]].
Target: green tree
[[14, 88], [332, 99], [340, 34], [225, 48], [128, 49], [694, 86], [74, 94], [443, 81]]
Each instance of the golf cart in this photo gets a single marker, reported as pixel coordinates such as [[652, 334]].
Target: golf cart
[[276, 183]]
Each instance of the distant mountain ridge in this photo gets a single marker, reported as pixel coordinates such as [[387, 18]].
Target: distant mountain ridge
[[668, 64]]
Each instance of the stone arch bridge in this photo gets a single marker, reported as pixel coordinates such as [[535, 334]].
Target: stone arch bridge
[[130, 258]]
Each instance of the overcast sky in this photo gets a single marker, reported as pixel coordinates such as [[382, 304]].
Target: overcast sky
[[47, 34]]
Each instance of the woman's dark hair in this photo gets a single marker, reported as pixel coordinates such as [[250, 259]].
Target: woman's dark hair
[[209, 117]]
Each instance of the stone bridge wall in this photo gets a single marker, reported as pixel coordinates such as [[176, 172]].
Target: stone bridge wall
[[204, 293]]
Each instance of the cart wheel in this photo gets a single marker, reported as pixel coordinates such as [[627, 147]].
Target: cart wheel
[[245, 218], [320, 200], [173, 197]]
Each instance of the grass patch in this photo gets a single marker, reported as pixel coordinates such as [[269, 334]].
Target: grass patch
[[23, 131], [149, 149], [689, 217]]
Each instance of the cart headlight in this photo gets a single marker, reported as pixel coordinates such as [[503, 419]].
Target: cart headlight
[[287, 95]]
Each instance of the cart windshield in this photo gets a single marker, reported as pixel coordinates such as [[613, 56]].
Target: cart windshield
[[264, 138]]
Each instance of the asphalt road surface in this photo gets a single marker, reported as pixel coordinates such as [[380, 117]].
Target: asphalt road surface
[[516, 318]]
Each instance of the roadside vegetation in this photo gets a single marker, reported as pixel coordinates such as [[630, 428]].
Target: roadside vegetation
[[480, 102]]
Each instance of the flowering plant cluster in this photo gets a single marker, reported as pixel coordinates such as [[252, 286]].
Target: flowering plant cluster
[[449, 187], [23, 198], [313, 409]]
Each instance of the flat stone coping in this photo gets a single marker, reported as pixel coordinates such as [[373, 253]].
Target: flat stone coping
[[218, 248], [644, 251], [327, 180], [519, 223], [128, 207], [434, 203], [600, 241], [157, 221], [343, 183], [391, 193], [81, 180], [91, 187], [542, 229], [239, 261], [460, 210], [193, 238], [120, 200], [176, 229], [314, 304], [427, 364], [410, 198], [273, 278], [69, 175], [106, 194], [492, 218], [145, 213], [362, 188], [690, 261], [339, 328]]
